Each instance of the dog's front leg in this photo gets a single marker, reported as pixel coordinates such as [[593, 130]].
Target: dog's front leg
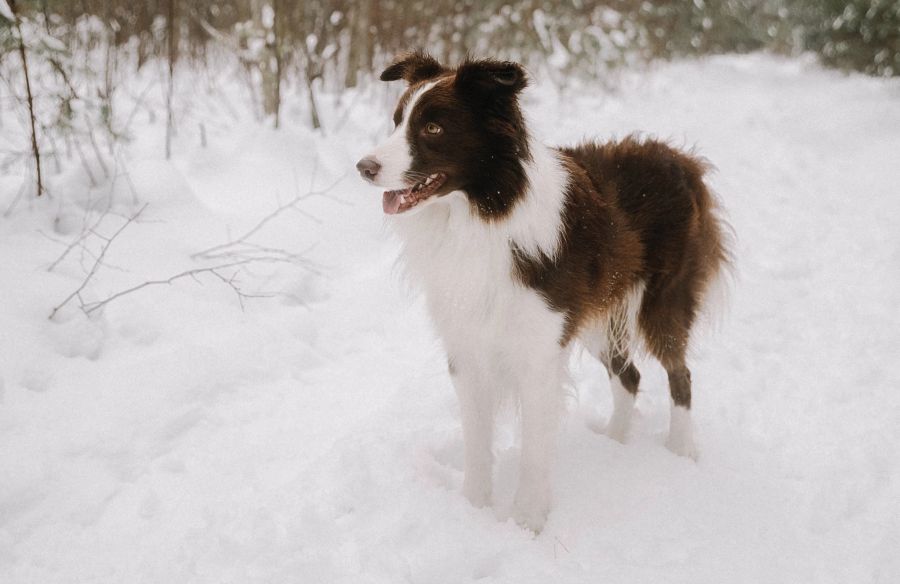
[[541, 401], [477, 406]]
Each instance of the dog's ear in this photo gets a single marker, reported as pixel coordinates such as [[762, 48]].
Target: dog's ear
[[488, 77], [413, 67]]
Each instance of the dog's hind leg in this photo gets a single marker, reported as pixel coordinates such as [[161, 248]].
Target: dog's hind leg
[[681, 431], [624, 379], [665, 320]]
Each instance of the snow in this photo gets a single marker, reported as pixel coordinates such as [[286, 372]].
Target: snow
[[314, 436], [6, 12], [268, 16]]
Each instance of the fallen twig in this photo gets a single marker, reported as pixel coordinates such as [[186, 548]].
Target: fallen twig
[[233, 254], [97, 262], [91, 307], [241, 247]]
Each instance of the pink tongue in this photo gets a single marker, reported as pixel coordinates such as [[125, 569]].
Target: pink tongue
[[391, 202]]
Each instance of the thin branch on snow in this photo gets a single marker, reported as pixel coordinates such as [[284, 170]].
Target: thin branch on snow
[[249, 253], [216, 271], [15, 201], [233, 247], [97, 262], [234, 254], [243, 248], [78, 242], [87, 228]]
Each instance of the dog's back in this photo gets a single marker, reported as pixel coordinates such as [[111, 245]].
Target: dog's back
[[670, 211], [662, 192], [637, 214]]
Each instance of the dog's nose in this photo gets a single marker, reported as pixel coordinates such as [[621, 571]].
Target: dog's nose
[[368, 168]]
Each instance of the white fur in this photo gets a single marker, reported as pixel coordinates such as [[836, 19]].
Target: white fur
[[501, 336], [681, 433], [536, 226], [623, 407], [394, 155], [617, 331]]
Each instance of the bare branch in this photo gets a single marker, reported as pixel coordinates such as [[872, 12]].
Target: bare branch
[[258, 253], [138, 103], [88, 229], [215, 271], [231, 256], [97, 263], [15, 201], [213, 251], [238, 246], [34, 145]]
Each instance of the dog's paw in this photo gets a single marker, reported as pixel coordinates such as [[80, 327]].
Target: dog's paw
[[681, 433], [595, 424], [531, 508], [617, 428], [682, 444], [478, 492], [531, 519]]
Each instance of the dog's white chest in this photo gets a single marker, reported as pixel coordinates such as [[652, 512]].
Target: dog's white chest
[[465, 268]]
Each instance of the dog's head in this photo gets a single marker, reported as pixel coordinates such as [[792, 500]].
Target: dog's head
[[455, 130]]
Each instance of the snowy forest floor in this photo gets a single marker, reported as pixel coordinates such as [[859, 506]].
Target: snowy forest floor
[[313, 436]]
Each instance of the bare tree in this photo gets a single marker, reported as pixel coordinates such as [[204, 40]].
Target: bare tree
[[269, 57], [30, 98], [276, 43], [172, 56]]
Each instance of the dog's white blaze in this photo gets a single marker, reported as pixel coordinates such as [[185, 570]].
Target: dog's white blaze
[[623, 407], [681, 433], [394, 155], [502, 337]]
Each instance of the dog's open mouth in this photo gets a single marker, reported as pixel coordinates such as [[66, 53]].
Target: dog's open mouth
[[401, 200]]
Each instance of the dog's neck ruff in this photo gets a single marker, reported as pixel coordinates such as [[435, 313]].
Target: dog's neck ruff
[[535, 223]]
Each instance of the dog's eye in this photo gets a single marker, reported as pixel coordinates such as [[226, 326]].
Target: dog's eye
[[433, 129]]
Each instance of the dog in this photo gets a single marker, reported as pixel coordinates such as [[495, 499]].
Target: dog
[[523, 250]]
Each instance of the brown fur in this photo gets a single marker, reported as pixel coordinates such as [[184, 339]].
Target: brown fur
[[636, 211]]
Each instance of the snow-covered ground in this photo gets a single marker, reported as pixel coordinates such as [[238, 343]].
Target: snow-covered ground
[[313, 437]]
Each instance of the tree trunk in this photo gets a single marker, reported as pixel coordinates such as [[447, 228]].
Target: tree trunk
[[173, 54], [34, 144], [361, 43], [277, 34], [270, 60]]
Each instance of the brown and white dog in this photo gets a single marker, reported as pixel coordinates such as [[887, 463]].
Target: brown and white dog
[[522, 249]]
